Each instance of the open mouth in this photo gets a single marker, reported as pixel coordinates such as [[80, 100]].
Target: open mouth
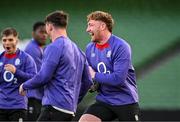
[[91, 34], [8, 48]]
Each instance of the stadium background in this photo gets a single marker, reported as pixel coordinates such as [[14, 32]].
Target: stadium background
[[151, 27]]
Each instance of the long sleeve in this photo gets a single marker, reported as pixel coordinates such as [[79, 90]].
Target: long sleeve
[[30, 69], [86, 82], [50, 61], [36, 54], [43, 76]]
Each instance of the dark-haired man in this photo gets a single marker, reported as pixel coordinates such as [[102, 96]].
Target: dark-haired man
[[16, 67], [64, 73], [35, 50]]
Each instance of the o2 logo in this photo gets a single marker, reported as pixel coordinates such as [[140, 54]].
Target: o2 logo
[[101, 67], [9, 77]]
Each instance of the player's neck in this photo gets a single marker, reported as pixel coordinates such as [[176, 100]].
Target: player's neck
[[104, 38], [58, 33]]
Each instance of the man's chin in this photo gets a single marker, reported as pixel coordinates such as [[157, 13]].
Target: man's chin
[[95, 41], [41, 43], [8, 52]]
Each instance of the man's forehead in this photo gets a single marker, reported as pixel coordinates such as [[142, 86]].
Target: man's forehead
[[9, 37], [47, 23], [41, 28], [95, 21]]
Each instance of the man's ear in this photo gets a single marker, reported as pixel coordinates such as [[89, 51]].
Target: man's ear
[[33, 34], [103, 26]]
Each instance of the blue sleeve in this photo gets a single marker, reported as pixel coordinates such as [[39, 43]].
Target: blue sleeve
[[30, 49], [35, 55], [121, 63], [29, 71], [88, 53], [31, 52], [50, 61], [86, 82]]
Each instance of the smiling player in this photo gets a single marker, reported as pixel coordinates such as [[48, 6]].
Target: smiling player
[[110, 63]]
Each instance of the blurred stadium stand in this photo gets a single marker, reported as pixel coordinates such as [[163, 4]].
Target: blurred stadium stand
[[150, 26]]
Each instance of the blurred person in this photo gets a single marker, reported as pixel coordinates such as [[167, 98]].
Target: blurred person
[[111, 68], [35, 49], [16, 67], [64, 73]]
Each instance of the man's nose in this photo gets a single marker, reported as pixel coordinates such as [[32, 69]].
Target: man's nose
[[87, 29]]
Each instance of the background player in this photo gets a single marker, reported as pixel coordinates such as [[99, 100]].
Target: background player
[[35, 50], [15, 68]]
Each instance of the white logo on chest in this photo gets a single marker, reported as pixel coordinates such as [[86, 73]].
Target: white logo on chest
[[17, 62], [1, 63], [92, 54], [108, 55]]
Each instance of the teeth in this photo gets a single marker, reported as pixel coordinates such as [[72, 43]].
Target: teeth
[[91, 34]]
